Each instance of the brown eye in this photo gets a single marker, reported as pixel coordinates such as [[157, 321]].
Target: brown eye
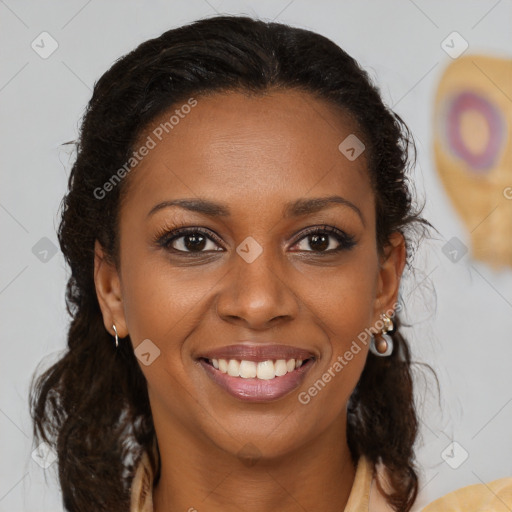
[[189, 240], [194, 242], [319, 242], [326, 240]]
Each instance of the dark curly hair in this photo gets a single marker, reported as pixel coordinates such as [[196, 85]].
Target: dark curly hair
[[92, 405]]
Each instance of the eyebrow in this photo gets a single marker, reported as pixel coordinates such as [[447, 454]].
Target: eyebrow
[[295, 208]]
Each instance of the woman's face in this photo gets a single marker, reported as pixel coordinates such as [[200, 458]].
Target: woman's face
[[256, 172]]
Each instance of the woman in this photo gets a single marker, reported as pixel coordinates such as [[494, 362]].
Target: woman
[[237, 223]]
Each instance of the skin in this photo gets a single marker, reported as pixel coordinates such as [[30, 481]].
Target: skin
[[255, 154]]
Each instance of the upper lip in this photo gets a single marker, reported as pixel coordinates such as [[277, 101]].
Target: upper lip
[[257, 352]]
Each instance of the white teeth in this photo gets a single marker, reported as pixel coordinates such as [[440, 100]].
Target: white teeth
[[223, 365], [265, 370], [248, 369], [233, 368], [280, 367]]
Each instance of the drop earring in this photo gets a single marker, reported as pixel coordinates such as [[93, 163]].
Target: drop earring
[[383, 345], [117, 337]]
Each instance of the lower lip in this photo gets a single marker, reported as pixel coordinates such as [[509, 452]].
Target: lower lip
[[258, 390]]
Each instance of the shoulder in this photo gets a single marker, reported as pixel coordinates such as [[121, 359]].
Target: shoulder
[[495, 496]]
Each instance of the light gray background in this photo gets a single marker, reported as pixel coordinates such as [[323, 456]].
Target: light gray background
[[465, 335]]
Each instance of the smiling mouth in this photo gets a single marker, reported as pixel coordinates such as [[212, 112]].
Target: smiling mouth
[[257, 381], [262, 370]]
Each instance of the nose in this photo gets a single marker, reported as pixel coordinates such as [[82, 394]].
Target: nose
[[258, 294]]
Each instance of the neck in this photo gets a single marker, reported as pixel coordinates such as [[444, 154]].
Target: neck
[[196, 476]]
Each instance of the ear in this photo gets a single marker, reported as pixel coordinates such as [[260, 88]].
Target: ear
[[108, 291], [392, 264]]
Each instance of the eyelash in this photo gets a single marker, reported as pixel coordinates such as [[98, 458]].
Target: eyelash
[[165, 238]]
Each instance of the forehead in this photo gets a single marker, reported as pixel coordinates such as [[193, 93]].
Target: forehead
[[246, 148]]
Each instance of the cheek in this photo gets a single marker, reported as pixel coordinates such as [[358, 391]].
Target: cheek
[[165, 302], [344, 303], [344, 297], [344, 306]]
